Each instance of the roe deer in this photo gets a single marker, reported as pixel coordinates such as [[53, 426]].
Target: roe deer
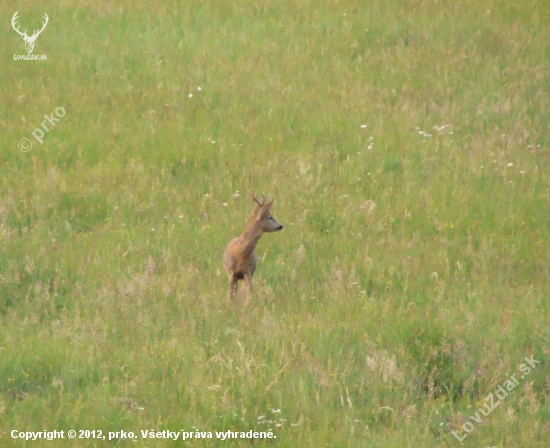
[[239, 258]]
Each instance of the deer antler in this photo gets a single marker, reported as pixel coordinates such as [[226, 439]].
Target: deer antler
[[261, 204], [36, 33], [13, 24]]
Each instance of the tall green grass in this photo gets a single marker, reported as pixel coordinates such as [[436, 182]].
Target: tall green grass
[[412, 274]]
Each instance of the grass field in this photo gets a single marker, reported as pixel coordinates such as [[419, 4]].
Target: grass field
[[406, 145]]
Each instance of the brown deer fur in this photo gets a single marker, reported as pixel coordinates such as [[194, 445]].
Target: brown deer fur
[[239, 258]]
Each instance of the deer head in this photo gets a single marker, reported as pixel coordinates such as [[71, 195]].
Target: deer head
[[29, 40], [266, 221]]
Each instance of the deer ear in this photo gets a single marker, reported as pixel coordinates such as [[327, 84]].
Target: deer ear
[[257, 207], [267, 206]]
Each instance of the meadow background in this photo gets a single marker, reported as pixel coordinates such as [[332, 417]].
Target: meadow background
[[406, 145]]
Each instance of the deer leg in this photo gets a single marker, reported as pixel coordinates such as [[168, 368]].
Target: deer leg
[[232, 288], [247, 288]]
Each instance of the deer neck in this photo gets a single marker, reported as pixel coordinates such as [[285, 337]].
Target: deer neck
[[251, 235]]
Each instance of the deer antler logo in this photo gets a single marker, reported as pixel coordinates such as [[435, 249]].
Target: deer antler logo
[[29, 40]]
